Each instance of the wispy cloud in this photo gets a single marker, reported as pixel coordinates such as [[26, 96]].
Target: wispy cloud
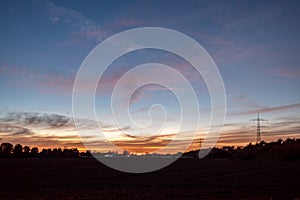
[[267, 109], [33, 79], [246, 102], [287, 72], [22, 128], [144, 144], [52, 130], [62, 84], [43, 130], [113, 129], [71, 17], [12, 130], [49, 121], [45, 121]]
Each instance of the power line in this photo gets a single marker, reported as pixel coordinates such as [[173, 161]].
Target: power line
[[258, 122]]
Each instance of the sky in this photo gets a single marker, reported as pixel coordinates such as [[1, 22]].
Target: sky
[[255, 45]]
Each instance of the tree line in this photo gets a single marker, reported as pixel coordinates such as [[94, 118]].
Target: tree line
[[288, 149], [8, 150]]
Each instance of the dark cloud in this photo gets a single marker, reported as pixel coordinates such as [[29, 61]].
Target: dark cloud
[[6, 129], [38, 119], [114, 129], [15, 125], [43, 121], [130, 136]]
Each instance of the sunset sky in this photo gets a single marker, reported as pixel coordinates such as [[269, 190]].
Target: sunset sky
[[255, 45]]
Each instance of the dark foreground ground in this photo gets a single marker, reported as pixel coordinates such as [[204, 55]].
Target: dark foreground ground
[[51, 178]]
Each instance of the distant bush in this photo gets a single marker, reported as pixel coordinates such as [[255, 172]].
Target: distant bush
[[18, 151], [288, 149]]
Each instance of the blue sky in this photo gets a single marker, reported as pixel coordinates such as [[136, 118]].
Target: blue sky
[[255, 45]]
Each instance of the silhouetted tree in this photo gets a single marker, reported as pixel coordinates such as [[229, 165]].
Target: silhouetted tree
[[6, 149], [125, 153], [17, 152], [88, 153], [74, 152], [71, 153], [289, 141], [249, 146], [26, 151], [44, 153], [289, 148], [34, 152], [262, 144], [59, 151], [55, 152]]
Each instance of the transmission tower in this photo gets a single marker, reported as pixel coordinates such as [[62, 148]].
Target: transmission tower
[[259, 123]]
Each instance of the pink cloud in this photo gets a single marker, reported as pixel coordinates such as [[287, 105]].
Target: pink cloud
[[246, 102], [34, 79], [62, 84], [216, 40], [286, 72]]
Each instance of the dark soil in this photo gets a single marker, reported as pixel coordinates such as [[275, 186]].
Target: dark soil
[[54, 178]]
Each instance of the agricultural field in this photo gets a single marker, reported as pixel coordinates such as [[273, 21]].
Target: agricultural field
[[187, 178]]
